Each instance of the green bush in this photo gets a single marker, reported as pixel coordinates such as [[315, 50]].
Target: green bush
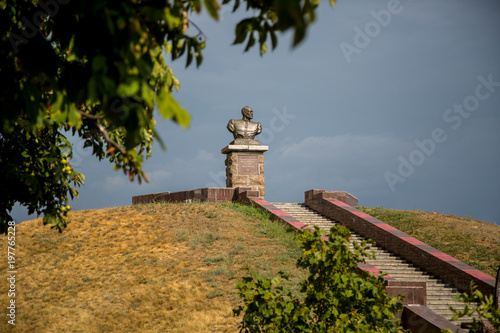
[[486, 310], [335, 297]]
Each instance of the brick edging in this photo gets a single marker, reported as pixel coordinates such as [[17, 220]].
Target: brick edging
[[211, 194], [419, 318], [147, 198], [409, 248], [277, 214], [425, 318]]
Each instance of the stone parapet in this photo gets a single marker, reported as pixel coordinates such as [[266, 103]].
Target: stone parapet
[[418, 318], [317, 195], [207, 194], [413, 292], [147, 198], [211, 194]]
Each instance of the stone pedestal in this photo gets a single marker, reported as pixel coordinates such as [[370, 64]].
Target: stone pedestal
[[245, 165]]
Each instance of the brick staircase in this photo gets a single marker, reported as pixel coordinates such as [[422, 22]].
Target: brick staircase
[[440, 295]]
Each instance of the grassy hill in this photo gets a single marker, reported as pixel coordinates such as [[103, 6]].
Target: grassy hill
[[172, 267], [473, 242]]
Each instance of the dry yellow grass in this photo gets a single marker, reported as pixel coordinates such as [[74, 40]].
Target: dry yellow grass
[[146, 268], [168, 267]]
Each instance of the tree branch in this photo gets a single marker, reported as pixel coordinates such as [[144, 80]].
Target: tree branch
[[109, 140], [91, 116]]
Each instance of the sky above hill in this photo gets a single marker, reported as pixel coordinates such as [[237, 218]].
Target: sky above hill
[[396, 102]]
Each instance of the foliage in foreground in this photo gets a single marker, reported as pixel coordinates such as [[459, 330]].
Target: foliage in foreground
[[335, 297], [486, 310], [97, 70]]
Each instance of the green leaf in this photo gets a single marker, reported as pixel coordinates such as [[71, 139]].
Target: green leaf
[[212, 8], [99, 64], [251, 42], [263, 48], [300, 33], [60, 115], [275, 281], [129, 88], [92, 89], [242, 29], [58, 103], [169, 108], [74, 117], [172, 21], [199, 58], [189, 57], [274, 39]]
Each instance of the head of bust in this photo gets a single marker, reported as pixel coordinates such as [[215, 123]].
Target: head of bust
[[247, 113]]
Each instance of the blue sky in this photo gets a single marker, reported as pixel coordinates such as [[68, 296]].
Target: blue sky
[[396, 102]]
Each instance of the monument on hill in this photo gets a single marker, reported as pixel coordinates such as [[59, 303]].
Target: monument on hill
[[245, 155]]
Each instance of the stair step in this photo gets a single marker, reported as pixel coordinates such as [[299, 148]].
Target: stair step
[[440, 295]]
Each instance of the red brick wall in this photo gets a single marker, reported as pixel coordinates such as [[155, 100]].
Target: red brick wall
[[212, 194], [420, 254], [146, 198]]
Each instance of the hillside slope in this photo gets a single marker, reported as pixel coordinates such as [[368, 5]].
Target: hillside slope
[[145, 268], [153, 268]]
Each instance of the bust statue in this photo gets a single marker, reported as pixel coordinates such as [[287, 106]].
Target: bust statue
[[244, 128]]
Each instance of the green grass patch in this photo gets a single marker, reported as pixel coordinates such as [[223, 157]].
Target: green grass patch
[[473, 242], [279, 231]]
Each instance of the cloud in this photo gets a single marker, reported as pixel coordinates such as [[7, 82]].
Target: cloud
[[192, 170], [355, 163], [114, 182], [204, 155], [345, 148], [158, 175]]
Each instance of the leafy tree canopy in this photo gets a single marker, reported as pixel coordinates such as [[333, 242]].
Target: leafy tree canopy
[[97, 69]]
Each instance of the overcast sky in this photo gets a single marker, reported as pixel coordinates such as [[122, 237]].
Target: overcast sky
[[396, 102]]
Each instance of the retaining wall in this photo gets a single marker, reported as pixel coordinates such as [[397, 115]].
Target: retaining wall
[[212, 194], [409, 248]]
